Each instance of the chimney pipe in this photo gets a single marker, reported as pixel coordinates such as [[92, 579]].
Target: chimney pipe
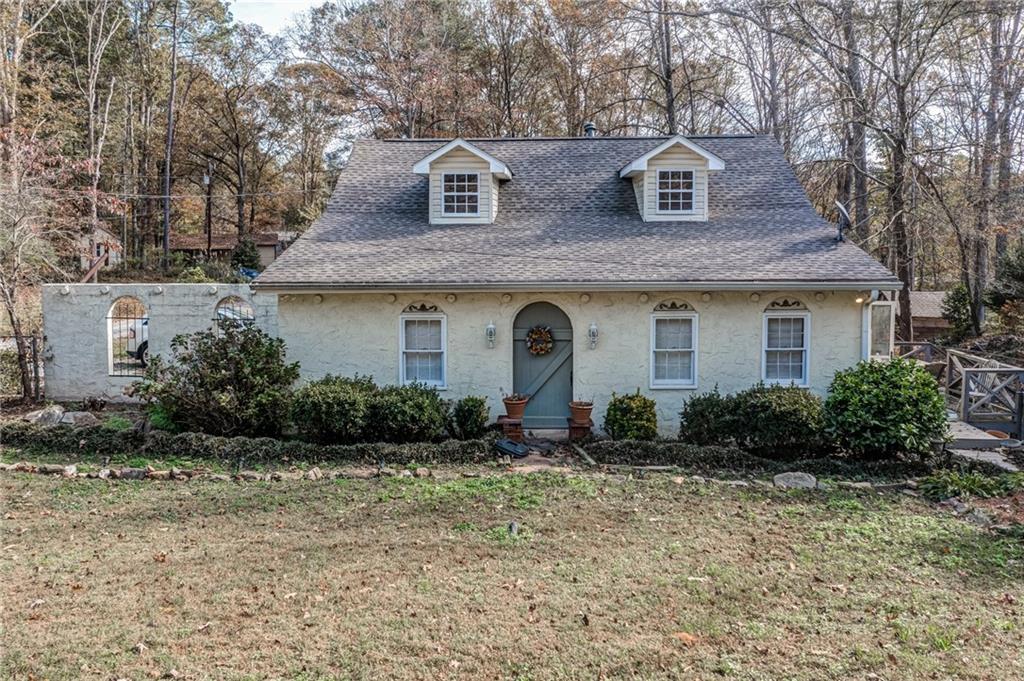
[[589, 129]]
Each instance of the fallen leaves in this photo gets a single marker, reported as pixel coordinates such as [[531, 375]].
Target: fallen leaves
[[686, 638]]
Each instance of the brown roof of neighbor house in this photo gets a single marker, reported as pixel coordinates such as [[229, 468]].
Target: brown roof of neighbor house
[[566, 217], [926, 303], [220, 242]]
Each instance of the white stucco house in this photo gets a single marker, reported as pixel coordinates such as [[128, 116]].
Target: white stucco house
[[665, 265]]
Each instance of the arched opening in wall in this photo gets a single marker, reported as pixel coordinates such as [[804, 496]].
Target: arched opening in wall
[[127, 337], [233, 309]]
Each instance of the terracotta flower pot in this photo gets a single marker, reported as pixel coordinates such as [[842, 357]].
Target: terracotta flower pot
[[580, 411], [514, 407]]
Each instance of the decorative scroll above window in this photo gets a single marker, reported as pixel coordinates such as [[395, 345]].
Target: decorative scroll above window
[[413, 308], [673, 306], [786, 304]]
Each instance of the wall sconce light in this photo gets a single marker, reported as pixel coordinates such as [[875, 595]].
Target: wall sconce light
[[491, 333], [592, 335]]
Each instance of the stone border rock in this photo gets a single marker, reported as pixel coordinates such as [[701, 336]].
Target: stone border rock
[[181, 475]]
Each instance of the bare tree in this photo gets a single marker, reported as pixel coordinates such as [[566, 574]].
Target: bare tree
[[96, 22]]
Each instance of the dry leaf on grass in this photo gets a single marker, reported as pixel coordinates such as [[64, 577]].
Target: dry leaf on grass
[[687, 638]]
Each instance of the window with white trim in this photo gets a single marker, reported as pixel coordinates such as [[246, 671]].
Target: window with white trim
[[674, 350], [786, 347], [423, 342], [460, 194], [675, 191]]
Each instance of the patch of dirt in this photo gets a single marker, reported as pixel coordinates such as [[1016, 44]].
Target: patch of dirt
[[1004, 510]]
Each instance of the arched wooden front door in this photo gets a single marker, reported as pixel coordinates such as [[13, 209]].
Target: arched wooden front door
[[547, 379]]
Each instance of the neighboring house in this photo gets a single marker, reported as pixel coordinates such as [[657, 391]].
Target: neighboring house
[[94, 244], [269, 244], [664, 265], [926, 313]]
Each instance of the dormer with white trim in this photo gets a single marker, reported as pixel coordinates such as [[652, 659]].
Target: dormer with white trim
[[671, 181], [463, 183]]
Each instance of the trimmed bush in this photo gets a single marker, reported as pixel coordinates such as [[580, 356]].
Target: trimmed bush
[[468, 418], [406, 413], [84, 440], [234, 452], [631, 417], [732, 461], [708, 419], [685, 455], [333, 409], [778, 422], [226, 382], [881, 410]]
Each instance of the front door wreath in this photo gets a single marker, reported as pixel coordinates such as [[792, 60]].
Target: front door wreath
[[540, 341]]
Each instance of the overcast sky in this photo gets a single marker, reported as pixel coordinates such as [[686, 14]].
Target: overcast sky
[[272, 15]]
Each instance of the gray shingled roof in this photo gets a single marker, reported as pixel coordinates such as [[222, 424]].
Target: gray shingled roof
[[567, 217]]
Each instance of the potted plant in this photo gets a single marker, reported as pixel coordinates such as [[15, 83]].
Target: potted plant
[[580, 410], [515, 405]]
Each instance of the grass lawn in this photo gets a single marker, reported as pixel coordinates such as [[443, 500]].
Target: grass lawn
[[420, 579]]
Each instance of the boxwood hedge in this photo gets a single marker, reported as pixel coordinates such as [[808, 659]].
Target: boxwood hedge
[[98, 441]]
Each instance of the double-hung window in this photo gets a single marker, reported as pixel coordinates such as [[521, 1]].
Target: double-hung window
[[423, 342], [460, 194], [674, 350], [675, 191], [786, 347]]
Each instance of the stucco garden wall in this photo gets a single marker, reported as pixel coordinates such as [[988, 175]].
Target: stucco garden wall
[[354, 333], [75, 325]]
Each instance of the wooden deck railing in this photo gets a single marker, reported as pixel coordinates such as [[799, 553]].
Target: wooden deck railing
[[922, 350], [985, 392]]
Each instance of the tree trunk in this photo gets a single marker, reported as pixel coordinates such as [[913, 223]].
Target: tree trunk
[[859, 147], [986, 168], [169, 146]]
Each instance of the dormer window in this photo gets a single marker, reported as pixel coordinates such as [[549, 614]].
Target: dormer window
[[461, 194], [463, 183], [671, 181], [675, 191]]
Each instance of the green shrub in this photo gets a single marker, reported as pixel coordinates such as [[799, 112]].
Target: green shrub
[[735, 462], [233, 452], [246, 255], [194, 275], [118, 423], [946, 484], [333, 409], [78, 440], [229, 382], [770, 421], [778, 421], [880, 410], [406, 413], [468, 418], [956, 309], [160, 420], [708, 419], [631, 417], [694, 458]]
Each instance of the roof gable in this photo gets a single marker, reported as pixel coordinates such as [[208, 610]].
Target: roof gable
[[639, 165], [498, 168]]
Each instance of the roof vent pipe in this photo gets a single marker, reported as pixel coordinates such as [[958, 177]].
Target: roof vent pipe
[[589, 129]]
